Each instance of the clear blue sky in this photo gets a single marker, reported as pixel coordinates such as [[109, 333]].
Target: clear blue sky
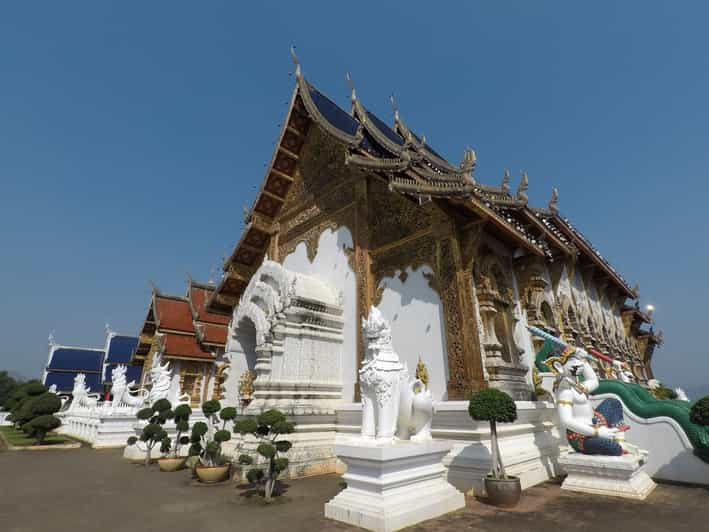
[[131, 134]]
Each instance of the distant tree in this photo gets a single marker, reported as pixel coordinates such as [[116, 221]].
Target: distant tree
[[43, 421], [8, 385]]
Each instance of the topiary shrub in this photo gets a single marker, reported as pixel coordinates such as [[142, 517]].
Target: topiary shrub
[[267, 428], [699, 413], [153, 433], [206, 439], [20, 403], [36, 415], [494, 406], [181, 417], [40, 426]]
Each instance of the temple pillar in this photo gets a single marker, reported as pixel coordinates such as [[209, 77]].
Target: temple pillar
[[454, 282], [362, 266]]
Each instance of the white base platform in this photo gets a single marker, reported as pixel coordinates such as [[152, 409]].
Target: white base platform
[[390, 487], [615, 476]]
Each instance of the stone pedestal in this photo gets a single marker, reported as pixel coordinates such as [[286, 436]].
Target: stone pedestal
[[393, 486], [616, 476]]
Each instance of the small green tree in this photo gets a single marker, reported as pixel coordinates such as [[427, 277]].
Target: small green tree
[[494, 406], [699, 413], [20, 403], [206, 439], [182, 424], [153, 433], [267, 428], [37, 415]]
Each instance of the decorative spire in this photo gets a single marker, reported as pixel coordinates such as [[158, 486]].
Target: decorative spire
[[107, 328], [468, 163], [522, 188], [505, 186], [554, 201], [394, 107], [636, 290], [298, 73], [50, 340], [247, 213], [353, 92]]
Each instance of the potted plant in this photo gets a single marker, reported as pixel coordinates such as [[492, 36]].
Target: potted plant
[[207, 439], [153, 432], [172, 461], [267, 428], [496, 407]]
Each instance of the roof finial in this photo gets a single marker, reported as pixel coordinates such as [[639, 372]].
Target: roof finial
[[395, 107], [554, 201], [153, 286], [107, 328], [353, 93], [522, 188], [468, 163], [505, 182], [212, 273], [50, 340], [298, 73], [636, 290]]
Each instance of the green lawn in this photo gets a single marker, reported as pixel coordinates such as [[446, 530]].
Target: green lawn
[[18, 438]]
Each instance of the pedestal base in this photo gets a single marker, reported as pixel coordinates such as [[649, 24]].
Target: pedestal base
[[616, 476], [393, 486]]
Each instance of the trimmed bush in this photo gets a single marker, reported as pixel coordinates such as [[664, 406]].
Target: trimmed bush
[[494, 406], [206, 439], [267, 427]]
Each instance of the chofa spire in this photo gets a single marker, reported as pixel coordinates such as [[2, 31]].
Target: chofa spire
[[554, 201], [522, 188]]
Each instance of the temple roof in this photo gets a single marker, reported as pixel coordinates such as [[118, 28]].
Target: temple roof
[[79, 359], [120, 348], [173, 313], [182, 346], [64, 381], [411, 167], [182, 326]]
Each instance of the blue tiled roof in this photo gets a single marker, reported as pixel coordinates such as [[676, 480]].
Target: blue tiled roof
[[333, 112], [74, 358], [65, 381], [133, 373], [120, 349]]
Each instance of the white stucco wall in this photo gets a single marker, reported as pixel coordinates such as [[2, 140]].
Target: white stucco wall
[[416, 316], [331, 266]]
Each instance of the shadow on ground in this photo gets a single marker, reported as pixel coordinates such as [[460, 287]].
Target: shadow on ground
[[86, 490]]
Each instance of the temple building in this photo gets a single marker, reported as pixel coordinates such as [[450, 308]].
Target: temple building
[[119, 351], [65, 363], [460, 267], [182, 332]]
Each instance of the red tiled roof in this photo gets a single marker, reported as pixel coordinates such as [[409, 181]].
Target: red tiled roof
[[199, 296], [174, 314], [182, 346], [214, 334]]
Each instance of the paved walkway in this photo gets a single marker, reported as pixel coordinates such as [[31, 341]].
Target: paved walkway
[[88, 490]]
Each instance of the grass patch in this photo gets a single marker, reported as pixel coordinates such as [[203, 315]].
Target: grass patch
[[17, 438]]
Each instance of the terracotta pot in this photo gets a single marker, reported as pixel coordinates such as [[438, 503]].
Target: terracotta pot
[[212, 474], [503, 492], [172, 464]]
